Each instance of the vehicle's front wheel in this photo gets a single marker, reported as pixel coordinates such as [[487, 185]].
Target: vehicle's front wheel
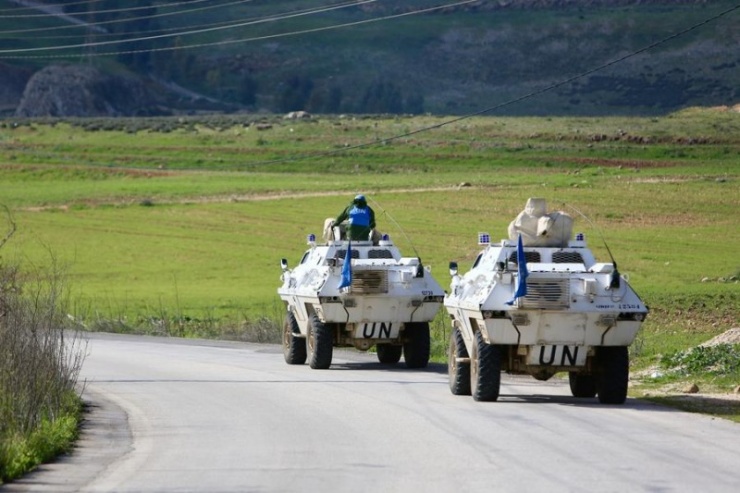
[[319, 344], [458, 372], [613, 374], [294, 348], [485, 370], [581, 385], [416, 348], [388, 354]]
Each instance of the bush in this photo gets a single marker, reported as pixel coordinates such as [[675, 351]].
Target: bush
[[39, 365], [721, 359]]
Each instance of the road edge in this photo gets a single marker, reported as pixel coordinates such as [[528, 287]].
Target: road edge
[[105, 436]]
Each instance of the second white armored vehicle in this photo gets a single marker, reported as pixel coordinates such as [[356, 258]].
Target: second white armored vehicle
[[539, 303], [388, 302]]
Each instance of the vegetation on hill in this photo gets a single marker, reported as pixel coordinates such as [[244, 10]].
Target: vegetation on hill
[[449, 61]]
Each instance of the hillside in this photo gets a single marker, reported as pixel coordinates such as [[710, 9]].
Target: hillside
[[454, 60]]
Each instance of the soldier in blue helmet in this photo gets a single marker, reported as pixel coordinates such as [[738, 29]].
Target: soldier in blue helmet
[[361, 219]]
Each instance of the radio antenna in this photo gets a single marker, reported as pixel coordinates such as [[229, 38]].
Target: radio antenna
[[614, 282], [385, 213]]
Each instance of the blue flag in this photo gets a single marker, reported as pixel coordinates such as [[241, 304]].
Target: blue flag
[[521, 283], [346, 279]]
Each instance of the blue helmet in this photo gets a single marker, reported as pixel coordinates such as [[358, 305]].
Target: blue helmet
[[359, 199]]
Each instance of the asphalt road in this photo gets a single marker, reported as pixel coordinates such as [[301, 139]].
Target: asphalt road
[[201, 416]]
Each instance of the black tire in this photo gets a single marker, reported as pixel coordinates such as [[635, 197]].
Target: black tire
[[613, 374], [294, 348], [416, 347], [320, 344], [458, 373], [582, 385], [389, 354], [485, 370]]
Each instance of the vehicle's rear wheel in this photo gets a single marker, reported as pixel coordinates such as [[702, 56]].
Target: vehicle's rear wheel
[[485, 370], [319, 343], [457, 372], [294, 348], [416, 347], [389, 354], [581, 385], [613, 374]]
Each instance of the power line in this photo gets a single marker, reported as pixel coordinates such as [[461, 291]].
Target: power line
[[179, 29], [224, 42], [89, 12], [156, 30], [31, 5], [129, 19], [186, 33]]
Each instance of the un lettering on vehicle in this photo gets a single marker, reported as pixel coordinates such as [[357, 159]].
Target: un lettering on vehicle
[[376, 330], [557, 355]]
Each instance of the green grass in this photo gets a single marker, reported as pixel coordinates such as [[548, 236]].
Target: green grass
[[132, 255], [185, 221], [20, 454], [216, 256]]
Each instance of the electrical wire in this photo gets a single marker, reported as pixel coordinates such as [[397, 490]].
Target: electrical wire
[[180, 29], [167, 29], [85, 24], [34, 5], [180, 34], [93, 12]]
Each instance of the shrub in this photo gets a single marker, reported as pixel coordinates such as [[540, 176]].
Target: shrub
[[721, 359], [39, 364]]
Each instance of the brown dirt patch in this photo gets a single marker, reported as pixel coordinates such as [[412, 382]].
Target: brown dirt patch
[[220, 199], [619, 163], [113, 171], [649, 220], [731, 336]]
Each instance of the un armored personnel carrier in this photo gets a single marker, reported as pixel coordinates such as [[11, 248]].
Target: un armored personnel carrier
[[357, 294], [539, 303]]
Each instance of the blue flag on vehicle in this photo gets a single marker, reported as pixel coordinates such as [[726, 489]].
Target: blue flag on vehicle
[[346, 279], [521, 282]]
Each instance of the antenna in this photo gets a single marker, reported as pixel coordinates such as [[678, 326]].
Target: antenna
[[385, 213], [614, 282]]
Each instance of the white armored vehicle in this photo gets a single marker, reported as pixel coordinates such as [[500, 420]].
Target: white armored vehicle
[[370, 297], [539, 303]]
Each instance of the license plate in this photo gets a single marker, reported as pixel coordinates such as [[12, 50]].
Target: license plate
[[557, 355]]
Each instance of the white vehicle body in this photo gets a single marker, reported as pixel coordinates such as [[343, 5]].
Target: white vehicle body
[[578, 315], [389, 303]]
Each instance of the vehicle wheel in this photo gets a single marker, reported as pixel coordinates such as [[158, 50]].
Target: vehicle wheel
[[294, 348], [320, 344], [581, 385], [458, 373], [416, 347], [389, 354], [613, 374], [485, 370]]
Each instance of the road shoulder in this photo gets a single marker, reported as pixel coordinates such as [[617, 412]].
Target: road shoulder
[[105, 436]]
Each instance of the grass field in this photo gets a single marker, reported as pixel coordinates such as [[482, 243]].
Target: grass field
[[172, 221]]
